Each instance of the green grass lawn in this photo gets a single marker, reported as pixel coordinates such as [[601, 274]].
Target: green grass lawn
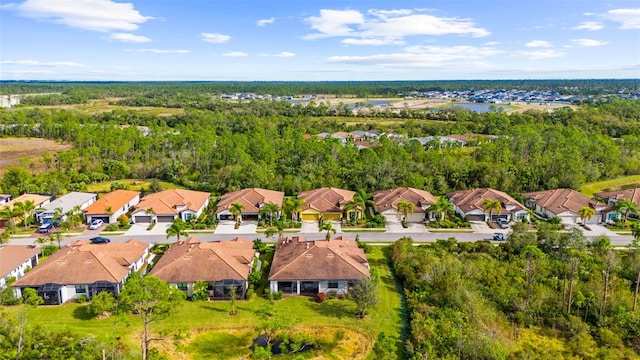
[[132, 184], [609, 185], [202, 325]]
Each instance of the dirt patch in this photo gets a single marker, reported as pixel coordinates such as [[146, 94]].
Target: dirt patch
[[29, 149]]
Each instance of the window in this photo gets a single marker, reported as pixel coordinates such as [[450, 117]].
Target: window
[[182, 286], [332, 285], [81, 289]]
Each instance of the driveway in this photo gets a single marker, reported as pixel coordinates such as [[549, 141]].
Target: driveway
[[597, 230], [396, 227], [228, 227], [141, 229], [481, 227], [309, 227]]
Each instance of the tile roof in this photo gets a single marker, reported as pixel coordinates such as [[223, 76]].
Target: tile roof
[[473, 199], [81, 262], [167, 202], [558, 201], [11, 256], [37, 199], [326, 200], [69, 201], [251, 199], [191, 260], [116, 200], [387, 199], [631, 194], [298, 259]]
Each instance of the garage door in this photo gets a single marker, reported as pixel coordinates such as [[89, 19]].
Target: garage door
[[310, 217], [476, 217], [393, 216], [142, 219], [105, 219], [333, 217], [165, 219]]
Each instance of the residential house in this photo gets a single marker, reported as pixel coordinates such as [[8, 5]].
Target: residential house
[[321, 266], [565, 204], [253, 199], [470, 203], [65, 204], [109, 207], [16, 260], [612, 197], [82, 268], [38, 200], [222, 264], [386, 203], [168, 205], [4, 198], [326, 203]]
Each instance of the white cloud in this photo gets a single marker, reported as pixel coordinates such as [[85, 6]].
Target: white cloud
[[235, 54], [588, 42], [126, 37], [285, 54], [159, 51], [263, 22], [538, 44], [42, 63], [215, 38], [384, 27], [27, 72], [492, 43], [538, 54], [589, 26], [630, 18], [96, 15]]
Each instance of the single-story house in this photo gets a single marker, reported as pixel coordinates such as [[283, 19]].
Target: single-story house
[[15, 260], [326, 203], [304, 267], [386, 203], [470, 204], [565, 204], [38, 200], [612, 197], [65, 204], [168, 205], [82, 268], [109, 207], [253, 199], [4, 198], [222, 264]]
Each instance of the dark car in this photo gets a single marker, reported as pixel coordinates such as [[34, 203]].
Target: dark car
[[498, 237], [99, 240], [45, 228]]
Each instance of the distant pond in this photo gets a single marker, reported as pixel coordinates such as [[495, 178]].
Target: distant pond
[[372, 103], [479, 108]]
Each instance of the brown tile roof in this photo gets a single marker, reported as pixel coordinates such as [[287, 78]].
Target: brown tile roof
[[326, 200], [192, 260], [298, 259], [83, 263], [387, 199], [37, 199], [558, 201], [631, 194], [473, 199], [116, 199], [167, 202], [12, 256], [251, 199]]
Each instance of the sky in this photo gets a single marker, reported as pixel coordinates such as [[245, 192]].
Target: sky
[[330, 40]]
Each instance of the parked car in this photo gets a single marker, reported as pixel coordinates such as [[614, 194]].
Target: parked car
[[503, 223], [99, 240], [498, 237], [95, 224], [45, 228]]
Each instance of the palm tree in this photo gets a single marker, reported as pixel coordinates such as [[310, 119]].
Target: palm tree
[[5, 236], [236, 210], [406, 207], [635, 231], [28, 207], [269, 208], [328, 227], [12, 213], [442, 207], [491, 205], [352, 205], [293, 206], [625, 206], [177, 229], [586, 213]]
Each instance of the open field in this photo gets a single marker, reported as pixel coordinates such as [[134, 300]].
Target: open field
[[197, 326], [102, 105], [30, 149], [610, 185], [132, 184]]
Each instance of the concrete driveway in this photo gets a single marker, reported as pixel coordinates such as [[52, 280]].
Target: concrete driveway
[[395, 227], [597, 230], [228, 227], [141, 229], [309, 227]]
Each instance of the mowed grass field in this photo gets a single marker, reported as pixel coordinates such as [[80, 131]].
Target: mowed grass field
[[625, 182], [103, 105], [30, 149], [132, 184], [204, 330]]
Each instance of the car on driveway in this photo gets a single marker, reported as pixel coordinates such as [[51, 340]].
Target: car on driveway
[[95, 224], [99, 240], [503, 223], [45, 228]]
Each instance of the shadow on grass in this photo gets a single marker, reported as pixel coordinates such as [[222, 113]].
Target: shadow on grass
[[217, 307], [338, 308], [81, 313]]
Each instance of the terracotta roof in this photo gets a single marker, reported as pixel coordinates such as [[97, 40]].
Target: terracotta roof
[[37, 199], [473, 199], [251, 199], [116, 200], [298, 259], [326, 200], [167, 202], [81, 262], [387, 199], [631, 194], [558, 201], [12, 256], [192, 260]]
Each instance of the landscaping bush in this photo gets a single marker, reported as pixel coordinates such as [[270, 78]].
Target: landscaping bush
[[321, 297], [111, 227], [81, 299], [151, 226], [103, 301], [277, 295], [159, 248], [123, 220], [201, 226], [47, 250]]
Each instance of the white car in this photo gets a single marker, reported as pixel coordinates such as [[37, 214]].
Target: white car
[[95, 224]]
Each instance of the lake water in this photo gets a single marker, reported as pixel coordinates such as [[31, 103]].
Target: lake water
[[372, 103], [479, 108]]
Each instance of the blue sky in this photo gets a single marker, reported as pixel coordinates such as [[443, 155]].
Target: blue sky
[[318, 40]]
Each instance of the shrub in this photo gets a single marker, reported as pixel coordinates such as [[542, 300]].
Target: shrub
[[201, 226], [123, 220], [321, 297], [81, 299], [111, 227], [103, 301], [250, 292], [277, 295], [364, 246], [151, 226], [200, 291]]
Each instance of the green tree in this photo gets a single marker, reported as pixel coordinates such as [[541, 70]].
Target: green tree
[[328, 227], [491, 205], [236, 209], [625, 206], [28, 207], [406, 207], [365, 294], [200, 291], [232, 298], [270, 209], [586, 213], [102, 302], [531, 253], [293, 206], [177, 229], [31, 297], [152, 299]]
